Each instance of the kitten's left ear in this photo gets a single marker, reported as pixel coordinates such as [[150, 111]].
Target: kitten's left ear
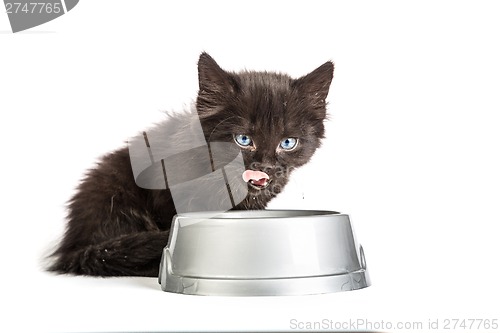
[[212, 78], [316, 84]]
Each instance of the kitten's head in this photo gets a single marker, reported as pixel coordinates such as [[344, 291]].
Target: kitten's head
[[275, 120]]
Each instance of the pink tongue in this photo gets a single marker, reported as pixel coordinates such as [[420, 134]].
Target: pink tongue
[[258, 177]]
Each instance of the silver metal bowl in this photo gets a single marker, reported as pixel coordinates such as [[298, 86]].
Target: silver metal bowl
[[267, 252]]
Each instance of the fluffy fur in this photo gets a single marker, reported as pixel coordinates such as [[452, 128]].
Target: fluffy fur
[[117, 228]]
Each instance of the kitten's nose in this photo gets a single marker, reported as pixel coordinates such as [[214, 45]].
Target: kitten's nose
[[264, 167], [264, 157]]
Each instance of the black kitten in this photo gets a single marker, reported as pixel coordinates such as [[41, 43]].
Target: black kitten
[[272, 122]]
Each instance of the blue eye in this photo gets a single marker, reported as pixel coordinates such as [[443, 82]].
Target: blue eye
[[288, 143], [243, 140]]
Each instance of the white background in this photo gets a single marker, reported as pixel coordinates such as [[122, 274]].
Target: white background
[[412, 153]]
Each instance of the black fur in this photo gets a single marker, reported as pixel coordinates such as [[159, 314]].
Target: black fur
[[118, 228]]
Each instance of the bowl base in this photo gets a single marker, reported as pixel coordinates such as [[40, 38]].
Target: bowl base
[[260, 287]]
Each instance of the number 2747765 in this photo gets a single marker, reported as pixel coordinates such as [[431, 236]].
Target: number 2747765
[[33, 8]]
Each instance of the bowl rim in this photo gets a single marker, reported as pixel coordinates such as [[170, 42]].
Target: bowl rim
[[259, 214]]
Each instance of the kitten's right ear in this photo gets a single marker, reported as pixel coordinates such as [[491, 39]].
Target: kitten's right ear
[[316, 84], [212, 78]]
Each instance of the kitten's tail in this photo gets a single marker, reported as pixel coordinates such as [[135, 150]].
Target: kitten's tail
[[128, 255]]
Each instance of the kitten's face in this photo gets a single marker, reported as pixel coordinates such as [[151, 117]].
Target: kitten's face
[[276, 121]]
